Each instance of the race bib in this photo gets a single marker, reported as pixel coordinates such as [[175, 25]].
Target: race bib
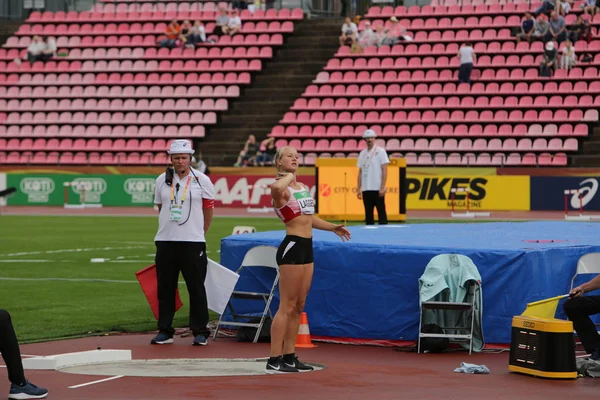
[[175, 212], [306, 202]]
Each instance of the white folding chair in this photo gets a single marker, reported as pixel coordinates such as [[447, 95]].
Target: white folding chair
[[587, 264], [256, 258]]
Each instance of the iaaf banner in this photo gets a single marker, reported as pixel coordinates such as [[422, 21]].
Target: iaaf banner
[[548, 193], [249, 190]]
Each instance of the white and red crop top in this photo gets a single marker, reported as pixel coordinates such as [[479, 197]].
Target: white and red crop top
[[300, 202]]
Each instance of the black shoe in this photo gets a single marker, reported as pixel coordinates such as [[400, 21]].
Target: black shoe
[[277, 366], [595, 354], [299, 365]]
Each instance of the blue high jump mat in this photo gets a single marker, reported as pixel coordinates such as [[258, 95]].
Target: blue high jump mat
[[367, 288]]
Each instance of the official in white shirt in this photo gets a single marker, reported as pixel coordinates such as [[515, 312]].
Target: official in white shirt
[[185, 199], [373, 166]]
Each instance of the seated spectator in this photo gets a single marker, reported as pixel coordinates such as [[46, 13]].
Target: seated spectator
[[558, 28], [221, 23], [367, 37], [197, 33], [172, 34], [549, 61], [234, 24], [266, 156], [546, 7], [395, 32], [186, 29], [582, 30], [248, 154], [349, 33], [35, 51], [568, 59], [564, 7], [50, 48], [527, 28], [591, 7], [541, 28]]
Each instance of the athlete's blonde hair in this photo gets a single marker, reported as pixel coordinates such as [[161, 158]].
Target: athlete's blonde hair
[[279, 155]]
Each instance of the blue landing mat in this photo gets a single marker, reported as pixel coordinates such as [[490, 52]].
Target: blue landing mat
[[368, 288]]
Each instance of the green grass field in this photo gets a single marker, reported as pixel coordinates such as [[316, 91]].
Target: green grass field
[[37, 248]]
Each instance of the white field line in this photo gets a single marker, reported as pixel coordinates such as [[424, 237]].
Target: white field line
[[98, 381], [71, 250], [6, 278]]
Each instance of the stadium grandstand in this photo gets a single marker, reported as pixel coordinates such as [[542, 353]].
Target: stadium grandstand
[[115, 94]]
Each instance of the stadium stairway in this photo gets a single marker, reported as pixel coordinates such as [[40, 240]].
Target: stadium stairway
[[8, 29], [590, 153], [273, 90]]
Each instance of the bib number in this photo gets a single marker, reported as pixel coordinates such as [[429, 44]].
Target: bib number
[[306, 203], [175, 212]]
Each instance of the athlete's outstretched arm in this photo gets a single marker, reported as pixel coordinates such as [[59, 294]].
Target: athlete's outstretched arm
[[339, 230]]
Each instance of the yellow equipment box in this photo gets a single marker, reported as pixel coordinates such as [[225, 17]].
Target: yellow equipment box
[[542, 347]]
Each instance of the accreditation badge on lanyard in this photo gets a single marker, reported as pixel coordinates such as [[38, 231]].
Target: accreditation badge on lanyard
[[175, 210], [367, 164]]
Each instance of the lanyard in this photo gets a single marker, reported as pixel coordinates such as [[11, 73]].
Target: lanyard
[[185, 190], [371, 153]]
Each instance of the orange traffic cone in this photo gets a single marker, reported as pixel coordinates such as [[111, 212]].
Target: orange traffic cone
[[303, 339]]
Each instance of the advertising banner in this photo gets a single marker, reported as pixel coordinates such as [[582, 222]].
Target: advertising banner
[[427, 192], [547, 193], [337, 198]]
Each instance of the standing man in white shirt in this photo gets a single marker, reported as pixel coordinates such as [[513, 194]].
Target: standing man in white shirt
[[185, 199], [372, 176], [466, 55]]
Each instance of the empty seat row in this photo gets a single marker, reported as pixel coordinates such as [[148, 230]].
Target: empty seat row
[[114, 105], [478, 88], [391, 63], [422, 144], [456, 116], [513, 7], [432, 130], [135, 5], [133, 66], [157, 118], [158, 13], [126, 30], [440, 102], [68, 144], [264, 39], [141, 78], [469, 159], [446, 75], [116, 92], [95, 158], [98, 131], [507, 49]]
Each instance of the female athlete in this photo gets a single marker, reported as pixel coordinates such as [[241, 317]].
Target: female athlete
[[295, 207]]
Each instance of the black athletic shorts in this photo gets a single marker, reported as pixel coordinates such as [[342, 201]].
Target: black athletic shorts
[[295, 250]]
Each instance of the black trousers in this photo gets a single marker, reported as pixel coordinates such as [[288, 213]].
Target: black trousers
[[371, 200], [9, 347], [190, 259], [578, 310], [464, 73]]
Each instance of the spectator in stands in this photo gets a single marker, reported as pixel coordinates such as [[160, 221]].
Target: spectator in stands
[[172, 34], [349, 33], [564, 7], [466, 55], [199, 164], [266, 156], [527, 28], [234, 25], [558, 28], [568, 59], [50, 48], [221, 23], [582, 30], [549, 61], [578, 29], [546, 7], [591, 7], [186, 29], [35, 51], [395, 32], [198, 33], [541, 28], [367, 37], [248, 154]]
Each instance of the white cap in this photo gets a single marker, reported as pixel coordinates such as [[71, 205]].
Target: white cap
[[181, 146], [550, 46], [369, 133]]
